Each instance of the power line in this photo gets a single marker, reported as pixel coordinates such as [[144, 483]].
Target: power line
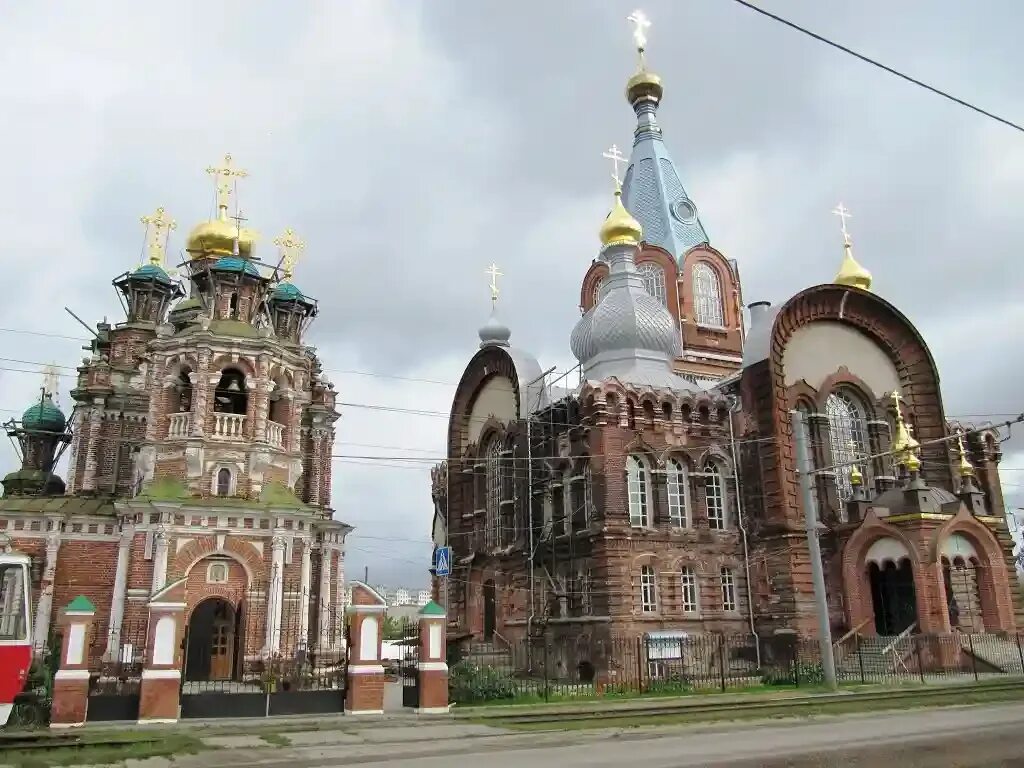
[[874, 63]]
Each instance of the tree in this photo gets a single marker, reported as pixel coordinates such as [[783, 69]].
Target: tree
[[393, 629]]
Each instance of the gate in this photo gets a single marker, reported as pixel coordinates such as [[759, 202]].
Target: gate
[[116, 679], [409, 664], [243, 660]]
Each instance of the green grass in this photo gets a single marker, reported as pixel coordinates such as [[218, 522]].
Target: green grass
[[85, 753], [276, 739], [783, 710]]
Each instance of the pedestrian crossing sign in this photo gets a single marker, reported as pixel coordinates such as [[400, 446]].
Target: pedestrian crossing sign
[[443, 561]]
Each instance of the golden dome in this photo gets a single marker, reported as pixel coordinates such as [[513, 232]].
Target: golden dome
[[216, 237], [856, 478], [852, 273], [619, 228], [966, 470], [644, 83]]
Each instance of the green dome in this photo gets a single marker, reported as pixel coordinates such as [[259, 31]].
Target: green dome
[[288, 292], [235, 264], [151, 272], [43, 416]]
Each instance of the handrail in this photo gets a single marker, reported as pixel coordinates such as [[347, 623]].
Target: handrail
[[899, 638], [503, 639], [850, 634]]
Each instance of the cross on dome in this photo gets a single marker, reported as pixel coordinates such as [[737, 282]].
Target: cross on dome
[[291, 247], [843, 213], [223, 179], [640, 24], [158, 229], [494, 275], [616, 156]]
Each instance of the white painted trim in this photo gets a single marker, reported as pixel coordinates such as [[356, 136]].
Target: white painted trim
[[433, 710], [365, 669], [432, 666], [364, 711], [71, 674], [66, 725], [158, 721], [169, 606], [161, 674], [79, 613]]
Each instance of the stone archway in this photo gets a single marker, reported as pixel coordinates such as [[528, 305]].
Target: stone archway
[[211, 640]]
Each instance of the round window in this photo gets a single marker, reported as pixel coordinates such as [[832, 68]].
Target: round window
[[684, 210]]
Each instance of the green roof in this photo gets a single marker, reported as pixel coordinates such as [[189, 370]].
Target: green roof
[[432, 609], [81, 604], [151, 272], [65, 505], [235, 264], [233, 328], [44, 416]]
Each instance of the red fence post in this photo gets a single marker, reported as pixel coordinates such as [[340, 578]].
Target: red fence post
[[433, 666], [160, 690], [364, 687]]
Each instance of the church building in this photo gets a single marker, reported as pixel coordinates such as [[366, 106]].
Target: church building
[[658, 495], [198, 449]]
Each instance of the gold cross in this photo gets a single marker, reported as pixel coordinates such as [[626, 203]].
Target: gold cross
[[223, 180], [291, 246], [158, 229], [843, 213], [495, 274], [616, 157], [640, 24]]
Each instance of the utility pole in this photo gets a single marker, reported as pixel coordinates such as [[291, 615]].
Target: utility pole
[[803, 462]]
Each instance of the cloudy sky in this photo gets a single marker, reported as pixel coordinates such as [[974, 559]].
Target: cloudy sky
[[412, 143]]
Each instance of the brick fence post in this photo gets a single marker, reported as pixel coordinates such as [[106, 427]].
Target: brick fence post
[[71, 683], [160, 694], [433, 667], [364, 689]]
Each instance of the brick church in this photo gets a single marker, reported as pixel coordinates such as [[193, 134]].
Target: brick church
[[198, 447], [653, 491]]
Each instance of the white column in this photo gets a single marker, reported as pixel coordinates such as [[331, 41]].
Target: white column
[[120, 589], [305, 575], [274, 599], [45, 605], [325, 638], [159, 561], [339, 597]]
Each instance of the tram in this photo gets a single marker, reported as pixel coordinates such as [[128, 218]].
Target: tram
[[15, 629]]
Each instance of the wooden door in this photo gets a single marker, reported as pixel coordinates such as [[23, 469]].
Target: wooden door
[[222, 643]]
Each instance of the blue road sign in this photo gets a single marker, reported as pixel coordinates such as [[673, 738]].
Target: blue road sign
[[443, 561]]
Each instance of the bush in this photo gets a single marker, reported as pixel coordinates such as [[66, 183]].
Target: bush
[[469, 683]]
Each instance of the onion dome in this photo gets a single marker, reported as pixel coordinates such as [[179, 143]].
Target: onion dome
[[217, 237], [644, 85], [151, 271], [851, 273], [287, 292], [494, 332], [43, 416], [236, 264], [620, 228]]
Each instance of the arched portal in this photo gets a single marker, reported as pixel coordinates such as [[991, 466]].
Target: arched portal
[[893, 597], [490, 610], [211, 641]]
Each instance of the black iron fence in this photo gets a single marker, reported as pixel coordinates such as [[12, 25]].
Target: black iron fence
[[116, 660], [568, 668]]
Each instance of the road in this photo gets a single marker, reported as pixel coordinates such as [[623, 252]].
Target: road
[[968, 737]]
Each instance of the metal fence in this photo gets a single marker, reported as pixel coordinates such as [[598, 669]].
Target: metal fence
[[569, 668]]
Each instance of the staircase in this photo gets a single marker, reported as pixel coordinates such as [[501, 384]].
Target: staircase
[[875, 653], [999, 652]]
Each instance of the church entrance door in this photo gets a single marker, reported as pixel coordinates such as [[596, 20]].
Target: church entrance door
[[490, 621], [893, 596], [211, 641]]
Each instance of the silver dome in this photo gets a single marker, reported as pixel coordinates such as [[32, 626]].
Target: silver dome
[[494, 332]]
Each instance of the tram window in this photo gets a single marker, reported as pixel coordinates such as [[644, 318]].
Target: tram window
[[13, 625]]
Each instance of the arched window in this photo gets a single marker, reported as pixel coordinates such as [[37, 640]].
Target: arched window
[[230, 396], [707, 296], [848, 438], [184, 388], [654, 281], [678, 494], [639, 497], [690, 591], [648, 589], [493, 478], [599, 290], [714, 493], [223, 481]]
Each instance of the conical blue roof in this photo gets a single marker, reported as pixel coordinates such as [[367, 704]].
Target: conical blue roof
[[288, 292], [151, 272], [235, 264]]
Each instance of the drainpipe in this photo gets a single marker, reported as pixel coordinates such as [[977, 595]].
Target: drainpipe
[[735, 408]]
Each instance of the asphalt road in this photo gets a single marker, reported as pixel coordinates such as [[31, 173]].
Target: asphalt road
[[964, 737]]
